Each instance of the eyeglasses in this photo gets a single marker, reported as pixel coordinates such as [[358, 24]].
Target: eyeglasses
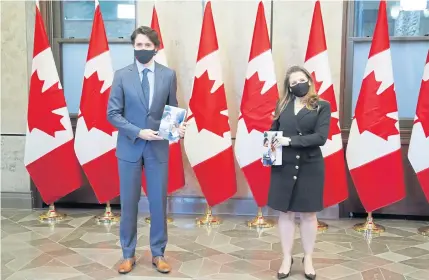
[[300, 81]]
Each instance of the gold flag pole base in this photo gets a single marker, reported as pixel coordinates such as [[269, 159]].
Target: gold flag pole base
[[369, 225], [108, 217], [169, 220], [260, 222], [52, 216], [321, 226], [208, 219], [424, 231]]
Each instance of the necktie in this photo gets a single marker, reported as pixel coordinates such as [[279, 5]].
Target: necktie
[[145, 86]]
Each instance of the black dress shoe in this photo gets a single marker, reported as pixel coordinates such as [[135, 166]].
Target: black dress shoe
[[308, 276], [283, 275]]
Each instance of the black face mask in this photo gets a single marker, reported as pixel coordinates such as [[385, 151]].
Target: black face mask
[[144, 56], [300, 90]]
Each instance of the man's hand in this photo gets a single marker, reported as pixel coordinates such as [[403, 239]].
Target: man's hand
[[182, 129], [149, 134], [281, 141]]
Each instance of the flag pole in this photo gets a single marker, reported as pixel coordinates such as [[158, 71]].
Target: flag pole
[[108, 217], [321, 226], [208, 219], [423, 231], [52, 216], [369, 225], [260, 221]]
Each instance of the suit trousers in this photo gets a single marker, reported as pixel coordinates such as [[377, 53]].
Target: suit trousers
[[130, 174]]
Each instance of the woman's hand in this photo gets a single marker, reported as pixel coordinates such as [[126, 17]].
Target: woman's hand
[[182, 129], [281, 141]]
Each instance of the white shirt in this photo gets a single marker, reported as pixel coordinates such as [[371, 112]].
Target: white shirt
[[298, 105], [150, 77]]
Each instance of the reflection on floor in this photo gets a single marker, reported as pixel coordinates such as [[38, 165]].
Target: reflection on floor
[[78, 249]]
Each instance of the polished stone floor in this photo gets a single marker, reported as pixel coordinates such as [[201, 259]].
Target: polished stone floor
[[79, 249]]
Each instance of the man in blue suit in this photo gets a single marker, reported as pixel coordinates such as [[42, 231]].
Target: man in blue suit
[[138, 95]]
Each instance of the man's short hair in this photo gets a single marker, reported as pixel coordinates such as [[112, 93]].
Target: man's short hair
[[149, 32]]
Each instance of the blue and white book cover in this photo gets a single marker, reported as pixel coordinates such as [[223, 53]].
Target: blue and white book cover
[[270, 154], [172, 118]]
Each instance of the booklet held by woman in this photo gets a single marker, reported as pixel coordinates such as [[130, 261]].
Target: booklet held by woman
[[172, 118], [271, 155]]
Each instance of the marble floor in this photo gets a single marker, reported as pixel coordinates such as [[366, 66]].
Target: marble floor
[[79, 249]]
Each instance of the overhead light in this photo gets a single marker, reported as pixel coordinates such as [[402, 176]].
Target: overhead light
[[413, 5], [394, 12], [126, 11]]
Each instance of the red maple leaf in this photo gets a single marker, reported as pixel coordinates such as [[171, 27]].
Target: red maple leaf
[[317, 84], [42, 105], [93, 105], [372, 108], [329, 96], [256, 108], [333, 128], [423, 107], [207, 107]]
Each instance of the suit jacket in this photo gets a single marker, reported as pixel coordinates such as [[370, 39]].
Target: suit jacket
[[308, 130], [128, 111]]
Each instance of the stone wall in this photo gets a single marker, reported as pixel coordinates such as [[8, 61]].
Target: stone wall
[[17, 21]]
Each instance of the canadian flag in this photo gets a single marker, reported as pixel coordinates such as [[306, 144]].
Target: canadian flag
[[49, 156], [418, 152], [374, 148], [95, 143], [317, 63], [258, 103], [208, 142], [176, 174]]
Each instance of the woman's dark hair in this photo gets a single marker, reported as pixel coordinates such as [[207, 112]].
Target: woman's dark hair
[[149, 32]]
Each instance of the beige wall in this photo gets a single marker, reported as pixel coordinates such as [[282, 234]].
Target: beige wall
[[292, 20], [17, 20], [180, 23]]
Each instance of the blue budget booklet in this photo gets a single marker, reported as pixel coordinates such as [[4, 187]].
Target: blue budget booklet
[[172, 118]]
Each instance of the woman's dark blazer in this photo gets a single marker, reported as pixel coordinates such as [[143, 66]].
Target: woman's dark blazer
[[297, 184]]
